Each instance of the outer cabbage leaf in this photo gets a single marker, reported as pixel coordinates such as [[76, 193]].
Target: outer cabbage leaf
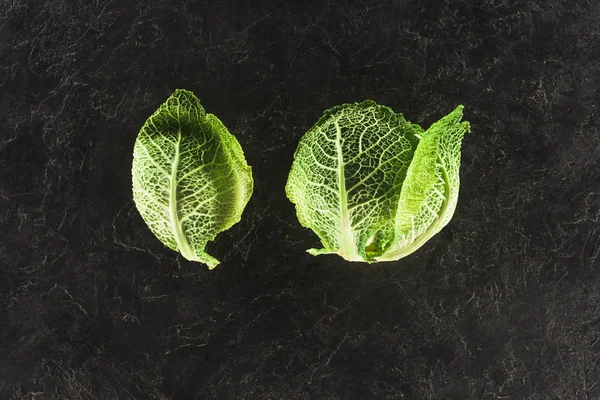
[[430, 191], [190, 178], [373, 186], [347, 175]]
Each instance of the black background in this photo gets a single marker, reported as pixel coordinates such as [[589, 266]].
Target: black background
[[504, 303]]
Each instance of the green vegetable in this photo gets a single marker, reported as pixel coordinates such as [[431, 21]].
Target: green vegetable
[[373, 186], [190, 178]]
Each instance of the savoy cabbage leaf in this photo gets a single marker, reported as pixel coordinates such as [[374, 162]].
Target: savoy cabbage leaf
[[190, 178], [373, 186]]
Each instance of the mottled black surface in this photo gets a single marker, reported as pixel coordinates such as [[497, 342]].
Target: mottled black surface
[[504, 303]]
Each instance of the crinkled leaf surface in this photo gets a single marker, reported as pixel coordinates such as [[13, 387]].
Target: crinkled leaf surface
[[190, 178], [346, 178], [430, 191], [373, 186]]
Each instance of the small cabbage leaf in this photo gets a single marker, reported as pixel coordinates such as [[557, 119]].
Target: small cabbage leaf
[[190, 178], [373, 186]]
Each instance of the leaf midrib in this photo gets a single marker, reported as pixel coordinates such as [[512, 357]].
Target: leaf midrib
[[180, 238], [347, 247]]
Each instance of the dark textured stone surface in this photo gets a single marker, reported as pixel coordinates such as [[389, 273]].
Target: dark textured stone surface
[[503, 304]]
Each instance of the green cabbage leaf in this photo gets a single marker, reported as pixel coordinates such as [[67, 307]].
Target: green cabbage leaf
[[190, 178], [373, 186]]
